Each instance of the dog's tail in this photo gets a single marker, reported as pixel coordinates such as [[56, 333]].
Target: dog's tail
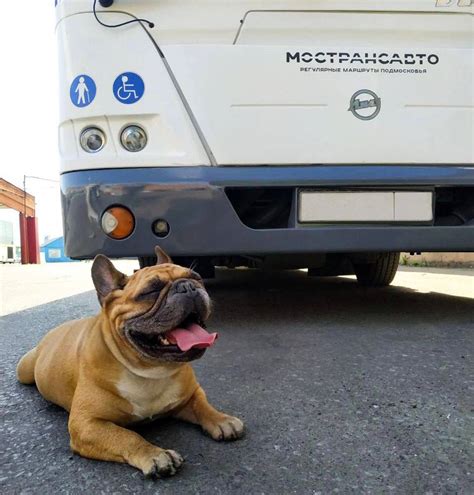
[[25, 371]]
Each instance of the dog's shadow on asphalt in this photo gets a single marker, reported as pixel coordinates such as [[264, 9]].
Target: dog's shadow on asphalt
[[294, 297]]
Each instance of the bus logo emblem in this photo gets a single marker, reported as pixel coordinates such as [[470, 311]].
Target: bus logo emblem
[[365, 108]]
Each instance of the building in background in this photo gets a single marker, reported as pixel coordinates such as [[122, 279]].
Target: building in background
[[8, 249], [14, 198], [53, 250]]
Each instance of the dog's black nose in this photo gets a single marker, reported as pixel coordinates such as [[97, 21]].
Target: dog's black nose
[[185, 286]]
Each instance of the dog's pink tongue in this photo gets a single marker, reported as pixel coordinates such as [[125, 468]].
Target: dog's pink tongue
[[192, 337]]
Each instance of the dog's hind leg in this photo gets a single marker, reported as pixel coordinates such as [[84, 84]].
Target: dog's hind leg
[[25, 371]]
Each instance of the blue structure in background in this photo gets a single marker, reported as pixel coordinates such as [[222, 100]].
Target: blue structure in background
[[54, 251]]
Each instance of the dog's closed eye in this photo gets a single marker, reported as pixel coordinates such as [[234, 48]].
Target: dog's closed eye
[[152, 290]]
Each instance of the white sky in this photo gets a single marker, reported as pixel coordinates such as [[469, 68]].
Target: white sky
[[29, 107]]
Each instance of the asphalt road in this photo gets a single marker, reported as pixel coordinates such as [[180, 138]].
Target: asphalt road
[[342, 389]]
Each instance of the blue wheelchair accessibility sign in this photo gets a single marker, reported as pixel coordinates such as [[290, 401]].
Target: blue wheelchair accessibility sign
[[128, 88], [82, 91]]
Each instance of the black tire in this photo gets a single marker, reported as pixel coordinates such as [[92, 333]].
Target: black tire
[[145, 261], [202, 266], [379, 273]]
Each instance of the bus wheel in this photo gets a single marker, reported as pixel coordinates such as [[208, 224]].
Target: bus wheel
[[145, 261], [203, 266], [379, 273]]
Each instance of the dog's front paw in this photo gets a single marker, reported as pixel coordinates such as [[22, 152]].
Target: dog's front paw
[[162, 464], [225, 428]]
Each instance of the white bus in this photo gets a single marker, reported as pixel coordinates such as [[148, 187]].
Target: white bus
[[327, 134]]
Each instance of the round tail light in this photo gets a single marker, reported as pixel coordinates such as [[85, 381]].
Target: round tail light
[[118, 222]]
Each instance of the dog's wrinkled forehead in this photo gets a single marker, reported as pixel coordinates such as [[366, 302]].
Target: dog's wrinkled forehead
[[165, 273]]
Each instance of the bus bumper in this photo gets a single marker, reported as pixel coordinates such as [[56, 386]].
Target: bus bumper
[[204, 222]]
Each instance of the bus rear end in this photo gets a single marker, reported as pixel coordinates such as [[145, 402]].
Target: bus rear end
[[307, 133]]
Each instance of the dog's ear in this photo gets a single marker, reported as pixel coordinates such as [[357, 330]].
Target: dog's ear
[[106, 277], [161, 256]]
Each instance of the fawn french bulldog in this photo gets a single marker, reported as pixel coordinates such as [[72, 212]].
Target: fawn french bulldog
[[131, 363]]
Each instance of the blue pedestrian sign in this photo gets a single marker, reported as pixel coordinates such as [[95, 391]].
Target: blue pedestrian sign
[[82, 91], [128, 88]]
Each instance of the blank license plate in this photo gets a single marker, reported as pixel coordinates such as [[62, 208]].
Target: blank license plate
[[365, 206]]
